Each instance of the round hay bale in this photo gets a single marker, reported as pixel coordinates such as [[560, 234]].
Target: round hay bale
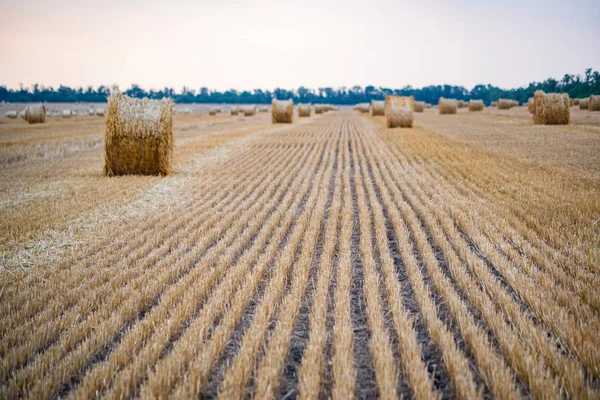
[[233, 111], [263, 109], [318, 109], [304, 110], [460, 104], [476, 105], [282, 111], [419, 106], [35, 114], [139, 136], [100, 112], [551, 108], [427, 105], [249, 111], [11, 114], [364, 108], [212, 111], [377, 107], [399, 111], [504, 104], [327, 107], [447, 106], [531, 105], [584, 103], [66, 113], [594, 103], [575, 102]]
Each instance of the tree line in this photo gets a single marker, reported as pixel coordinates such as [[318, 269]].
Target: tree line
[[576, 86]]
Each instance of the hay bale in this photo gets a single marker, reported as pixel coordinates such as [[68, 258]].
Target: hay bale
[[11, 114], [377, 107], [584, 103], [91, 111], [282, 111], [364, 108], [575, 102], [66, 113], [35, 114], [594, 103], [304, 110], [100, 112], [427, 105], [504, 104], [263, 109], [531, 105], [249, 111], [419, 106], [139, 136], [318, 109], [460, 104], [571, 102], [233, 111], [327, 107], [447, 106], [212, 111], [399, 111], [551, 108], [476, 105]]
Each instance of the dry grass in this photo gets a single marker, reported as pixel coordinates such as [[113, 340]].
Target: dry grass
[[330, 258]]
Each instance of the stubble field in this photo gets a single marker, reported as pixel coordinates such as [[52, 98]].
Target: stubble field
[[328, 258]]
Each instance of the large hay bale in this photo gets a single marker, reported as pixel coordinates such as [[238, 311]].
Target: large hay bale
[[66, 113], [476, 105], [100, 112], [419, 106], [35, 114], [304, 110], [249, 111], [584, 103], [594, 103], [551, 108], [282, 111], [318, 109], [11, 114], [139, 136], [460, 104], [504, 104], [447, 106], [399, 111], [531, 105], [233, 111], [377, 107]]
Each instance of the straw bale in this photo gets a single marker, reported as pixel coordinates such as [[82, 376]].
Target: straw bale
[[399, 111]]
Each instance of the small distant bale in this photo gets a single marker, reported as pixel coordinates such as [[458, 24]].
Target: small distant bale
[[327, 107], [584, 103], [212, 111], [504, 104], [304, 110], [460, 104], [427, 105], [594, 103], [447, 106], [263, 109], [572, 102], [100, 112], [318, 109], [66, 113], [11, 114], [575, 102], [233, 111], [282, 111], [399, 111], [35, 114], [476, 105], [531, 105], [249, 111], [377, 107], [364, 108], [91, 111], [419, 106], [139, 136], [551, 108]]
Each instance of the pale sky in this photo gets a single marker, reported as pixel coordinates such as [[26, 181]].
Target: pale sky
[[247, 44]]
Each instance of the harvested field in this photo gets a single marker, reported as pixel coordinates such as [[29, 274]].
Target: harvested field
[[332, 257]]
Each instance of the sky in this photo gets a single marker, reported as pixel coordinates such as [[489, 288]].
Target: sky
[[248, 44]]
